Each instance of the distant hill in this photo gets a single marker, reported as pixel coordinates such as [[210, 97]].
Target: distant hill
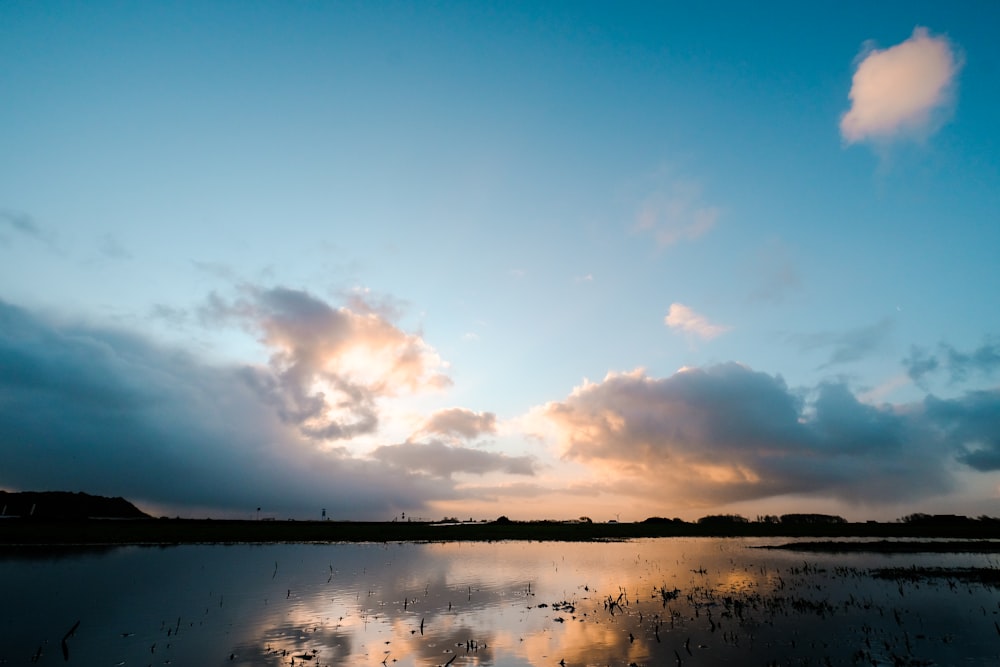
[[66, 505]]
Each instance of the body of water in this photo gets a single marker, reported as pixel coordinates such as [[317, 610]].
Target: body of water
[[643, 602]]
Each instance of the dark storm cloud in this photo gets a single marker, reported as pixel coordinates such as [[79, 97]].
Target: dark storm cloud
[[441, 460], [727, 433], [102, 411]]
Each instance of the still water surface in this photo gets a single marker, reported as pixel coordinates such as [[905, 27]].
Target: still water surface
[[643, 602]]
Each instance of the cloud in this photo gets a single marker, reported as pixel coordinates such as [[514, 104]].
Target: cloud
[[21, 222], [919, 364], [983, 361], [104, 411], [675, 213], [847, 346], [970, 424], [364, 300], [329, 366], [728, 433], [169, 315], [905, 90], [683, 318], [442, 460], [24, 225], [435, 449], [459, 423]]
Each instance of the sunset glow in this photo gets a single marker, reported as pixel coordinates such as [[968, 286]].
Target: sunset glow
[[614, 260]]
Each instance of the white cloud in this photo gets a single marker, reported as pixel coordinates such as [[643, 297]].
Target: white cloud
[[683, 318], [905, 90]]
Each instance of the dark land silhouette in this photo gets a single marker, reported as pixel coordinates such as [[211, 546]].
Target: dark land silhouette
[[61, 518], [56, 505]]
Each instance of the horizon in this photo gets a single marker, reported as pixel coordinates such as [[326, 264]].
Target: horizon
[[792, 518], [502, 259]]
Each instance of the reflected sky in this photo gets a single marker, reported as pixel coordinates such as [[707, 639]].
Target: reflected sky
[[645, 602]]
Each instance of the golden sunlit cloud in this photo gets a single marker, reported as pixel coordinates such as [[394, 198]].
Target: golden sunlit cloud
[[331, 367], [727, 433]]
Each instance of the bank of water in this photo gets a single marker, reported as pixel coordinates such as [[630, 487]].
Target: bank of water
[[645, 602]]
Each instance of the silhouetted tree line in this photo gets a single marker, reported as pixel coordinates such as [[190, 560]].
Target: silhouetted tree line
[[920, 519], [723, 520], [810, 519], [813, 519], [784, 519]]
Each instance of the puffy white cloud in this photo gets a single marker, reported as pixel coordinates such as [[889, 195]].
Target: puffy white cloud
[[685, 319], [904, 90]]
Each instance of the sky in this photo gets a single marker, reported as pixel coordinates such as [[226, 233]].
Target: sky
[[473, 259]]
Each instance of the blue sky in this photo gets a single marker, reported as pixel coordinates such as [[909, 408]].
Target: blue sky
[[450, 258]]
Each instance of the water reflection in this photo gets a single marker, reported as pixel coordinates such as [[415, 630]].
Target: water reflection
[[646, 602]]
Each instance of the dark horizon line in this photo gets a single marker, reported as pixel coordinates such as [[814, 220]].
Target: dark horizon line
[[27, 532]]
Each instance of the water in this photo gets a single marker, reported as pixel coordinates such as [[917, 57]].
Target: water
[[643, 602]]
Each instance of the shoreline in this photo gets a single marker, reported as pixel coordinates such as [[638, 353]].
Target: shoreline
[[22, 532]]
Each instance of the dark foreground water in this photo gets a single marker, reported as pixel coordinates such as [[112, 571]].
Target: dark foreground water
[[645, 602]]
